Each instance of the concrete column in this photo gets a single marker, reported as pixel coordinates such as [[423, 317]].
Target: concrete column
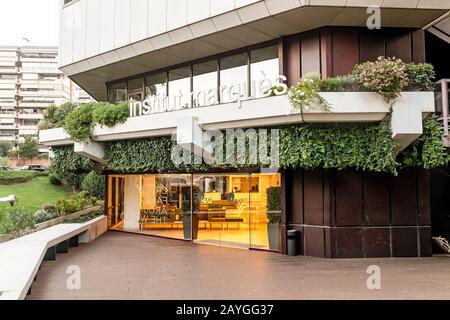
[[132, 202]]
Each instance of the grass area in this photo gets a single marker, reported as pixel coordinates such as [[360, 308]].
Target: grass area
[[34, 194]]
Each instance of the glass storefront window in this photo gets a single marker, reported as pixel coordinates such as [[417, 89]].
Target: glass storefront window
[[264, 63], [233, 72], [117, 92], [234, 210], [204, 81], [180, 88], [156, 85], [136, 84]]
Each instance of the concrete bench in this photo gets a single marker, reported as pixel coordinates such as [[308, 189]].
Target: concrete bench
[[20, 259]]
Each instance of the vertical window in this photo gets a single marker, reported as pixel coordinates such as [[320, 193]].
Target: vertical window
[[136, 84], [117, 93], [180, 88], [156, 85], [264, 63], [204, 83], [233, 72]]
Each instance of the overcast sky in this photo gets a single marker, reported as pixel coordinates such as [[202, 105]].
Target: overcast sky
[[37, 20]]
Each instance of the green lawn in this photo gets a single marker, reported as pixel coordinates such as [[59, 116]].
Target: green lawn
[[35, 193]]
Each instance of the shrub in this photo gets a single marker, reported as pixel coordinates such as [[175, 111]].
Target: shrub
[[50, 208], [79, 122], [42, 216], [274, 204], [15, 177], [71, 204], [94, 185], [54, 116], [339, 84], [17, 222], [422, 76], [107, 114], [386, 76], [4, 161], [305, 94], [86, 218], [54, 180]]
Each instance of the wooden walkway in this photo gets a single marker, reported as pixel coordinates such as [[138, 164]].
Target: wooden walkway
[[125, 266]]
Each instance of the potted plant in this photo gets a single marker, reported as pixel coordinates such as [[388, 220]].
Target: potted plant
[[274, 217], [190, 229]]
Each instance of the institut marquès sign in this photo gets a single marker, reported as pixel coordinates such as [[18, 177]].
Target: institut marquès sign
[[203, 98]]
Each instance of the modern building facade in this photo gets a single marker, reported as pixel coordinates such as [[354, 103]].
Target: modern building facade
[[189, 68], [30, 81]]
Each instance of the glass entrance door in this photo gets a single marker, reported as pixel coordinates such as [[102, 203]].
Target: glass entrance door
[[115, 201]]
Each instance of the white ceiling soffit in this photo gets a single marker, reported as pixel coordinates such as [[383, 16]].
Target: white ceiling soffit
[[239, 28], [441, 29]]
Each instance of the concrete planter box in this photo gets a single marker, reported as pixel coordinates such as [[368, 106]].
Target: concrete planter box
[[5, 237], [54, 222], [346, 107], [97, 227], [76, 215]]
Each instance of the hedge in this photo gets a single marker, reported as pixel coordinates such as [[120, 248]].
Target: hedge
[[15, 177]]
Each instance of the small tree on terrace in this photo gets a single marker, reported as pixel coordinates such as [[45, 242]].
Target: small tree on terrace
[[29, 148]]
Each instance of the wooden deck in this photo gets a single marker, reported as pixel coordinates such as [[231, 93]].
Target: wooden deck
[[126, 266]]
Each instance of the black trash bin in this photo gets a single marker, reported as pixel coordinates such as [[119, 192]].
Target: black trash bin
[[292, 243]]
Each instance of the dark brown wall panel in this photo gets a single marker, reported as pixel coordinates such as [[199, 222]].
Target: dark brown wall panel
[[399, 45], [404, 198], [296, 195], [329, 198], [313, 197], [348, 243], [376, 199], [418, 46], [293, 60], [349, 198], [377, 242], [314, 242], [326, 52], [425, 241], [424, 197], [404, 242], [372, 45], [310, 53], [345, 51]]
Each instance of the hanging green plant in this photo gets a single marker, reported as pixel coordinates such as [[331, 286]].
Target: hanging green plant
[[305, 95]]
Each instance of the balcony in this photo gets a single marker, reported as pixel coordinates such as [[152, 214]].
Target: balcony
[[347, 107], [31, 116], [443, 108], [8, 138], [8, 115]]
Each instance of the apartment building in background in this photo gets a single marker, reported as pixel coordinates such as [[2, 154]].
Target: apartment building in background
[[30, 81]]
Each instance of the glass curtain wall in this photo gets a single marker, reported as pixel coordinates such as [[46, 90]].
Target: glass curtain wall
[[233, 210]]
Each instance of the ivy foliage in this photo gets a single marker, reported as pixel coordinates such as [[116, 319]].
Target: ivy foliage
[[146, 155], [428, 151], [107, 114], [368, 147], [69, 166]]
